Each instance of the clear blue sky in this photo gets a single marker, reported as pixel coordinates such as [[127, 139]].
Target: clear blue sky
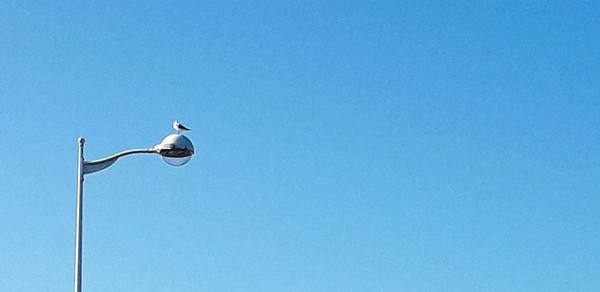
[[341, 146]]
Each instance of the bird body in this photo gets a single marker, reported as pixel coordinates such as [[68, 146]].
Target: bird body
[[179, 127]]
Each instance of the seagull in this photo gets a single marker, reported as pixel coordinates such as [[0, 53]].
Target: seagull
[[179, 127]]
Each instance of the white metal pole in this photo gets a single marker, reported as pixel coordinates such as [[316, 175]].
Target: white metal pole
[[79, 217]]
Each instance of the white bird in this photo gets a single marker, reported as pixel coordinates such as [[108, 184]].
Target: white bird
[[180, 127]]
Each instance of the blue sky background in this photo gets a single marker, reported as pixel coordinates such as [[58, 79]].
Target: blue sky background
[[341, 146]]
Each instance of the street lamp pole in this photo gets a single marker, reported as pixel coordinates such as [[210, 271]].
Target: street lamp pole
[[79, 216], [175, 149]]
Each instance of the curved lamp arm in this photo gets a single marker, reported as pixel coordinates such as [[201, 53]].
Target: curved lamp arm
[[100, 164]]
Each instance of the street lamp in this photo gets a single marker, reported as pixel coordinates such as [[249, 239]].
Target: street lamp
[[175, 150]]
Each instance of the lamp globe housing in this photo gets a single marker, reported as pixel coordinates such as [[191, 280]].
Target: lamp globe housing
[[175, 149]]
